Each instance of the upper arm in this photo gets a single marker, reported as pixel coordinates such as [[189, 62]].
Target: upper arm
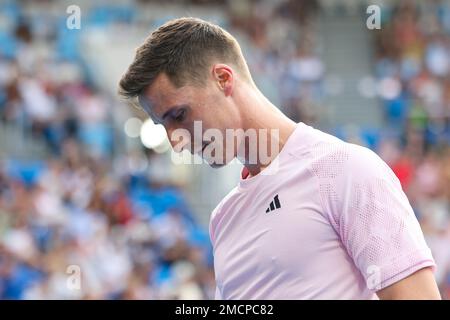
[[374, 220], [419, 285]]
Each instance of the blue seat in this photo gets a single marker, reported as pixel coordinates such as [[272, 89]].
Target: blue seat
[[162, 274], [20, 279], [371, 137], [8, 45], [104, 15], [10, 9], [28, 172], [68, 42]]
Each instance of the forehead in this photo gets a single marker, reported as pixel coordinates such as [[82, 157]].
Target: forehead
[[162, 94]]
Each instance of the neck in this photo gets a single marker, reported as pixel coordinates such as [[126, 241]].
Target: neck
[[273, 129]]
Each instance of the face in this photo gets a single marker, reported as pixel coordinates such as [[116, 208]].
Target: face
[[196, 118]]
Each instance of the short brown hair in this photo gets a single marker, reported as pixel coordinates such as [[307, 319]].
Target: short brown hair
[[182, 49]]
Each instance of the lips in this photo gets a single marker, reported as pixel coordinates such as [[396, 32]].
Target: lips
[[204, 147], [200, 152]]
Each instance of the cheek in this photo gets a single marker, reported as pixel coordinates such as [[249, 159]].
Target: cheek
[[213, 114], [209, 117]]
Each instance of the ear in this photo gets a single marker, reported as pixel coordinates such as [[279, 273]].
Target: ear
[[224, 77]]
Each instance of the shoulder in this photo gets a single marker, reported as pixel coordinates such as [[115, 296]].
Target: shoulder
[[334, 161], [224, 201], [338, 160]]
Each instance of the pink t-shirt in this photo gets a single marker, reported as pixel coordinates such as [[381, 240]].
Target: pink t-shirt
[[326, 220]]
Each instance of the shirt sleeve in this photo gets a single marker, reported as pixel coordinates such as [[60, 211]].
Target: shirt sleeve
[[365, 203]]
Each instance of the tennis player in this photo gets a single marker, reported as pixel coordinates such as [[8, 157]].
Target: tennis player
[[322, 219]]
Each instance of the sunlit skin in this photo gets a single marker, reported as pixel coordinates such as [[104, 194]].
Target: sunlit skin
[[421, 285], [228, 101]]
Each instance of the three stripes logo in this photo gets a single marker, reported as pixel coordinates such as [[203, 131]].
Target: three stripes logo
[[274, 204]]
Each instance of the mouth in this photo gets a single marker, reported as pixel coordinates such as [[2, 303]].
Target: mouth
[[200, 153], [204, 147]]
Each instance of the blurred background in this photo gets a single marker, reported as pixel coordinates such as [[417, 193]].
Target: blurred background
[[88, 181]]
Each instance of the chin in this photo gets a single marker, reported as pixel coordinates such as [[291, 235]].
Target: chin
[[217, 163]]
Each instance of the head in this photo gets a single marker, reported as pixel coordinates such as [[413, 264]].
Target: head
[[188, 72]]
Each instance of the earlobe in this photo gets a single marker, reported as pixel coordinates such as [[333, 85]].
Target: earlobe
[[226, 84], [228, 88]]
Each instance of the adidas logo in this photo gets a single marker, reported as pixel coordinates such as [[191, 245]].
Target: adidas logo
[[274, 204]]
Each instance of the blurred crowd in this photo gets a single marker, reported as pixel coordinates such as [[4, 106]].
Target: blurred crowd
[[49, 95], [85, 223], [48, 87], [90, 208], [129, 237], [412, 66], [280, 41]]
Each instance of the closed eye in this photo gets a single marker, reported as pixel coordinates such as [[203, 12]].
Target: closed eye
[[176, 113], [180, 115]]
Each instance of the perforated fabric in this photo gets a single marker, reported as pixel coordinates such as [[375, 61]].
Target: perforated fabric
[[343, 228], [368, 208]]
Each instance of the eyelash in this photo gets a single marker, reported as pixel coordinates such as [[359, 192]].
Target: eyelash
[[180, 116]]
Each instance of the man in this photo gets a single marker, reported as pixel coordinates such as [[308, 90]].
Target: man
[[322, 219]]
